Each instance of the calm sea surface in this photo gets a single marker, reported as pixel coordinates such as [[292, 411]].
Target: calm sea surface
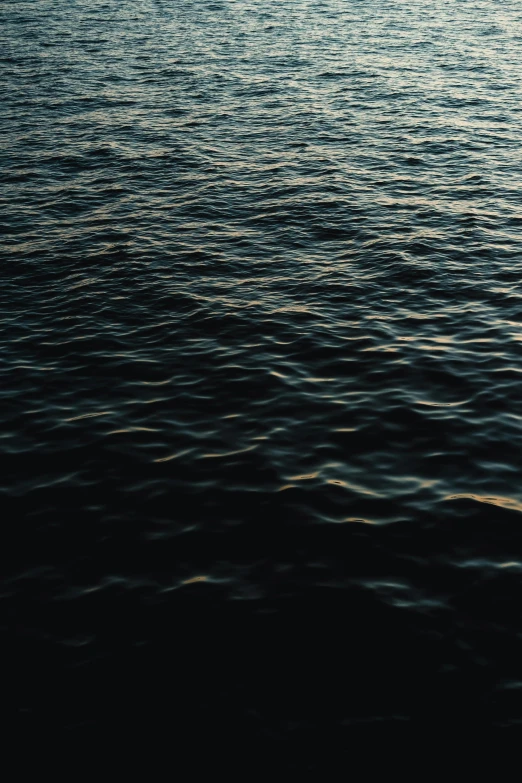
[[261, 368]]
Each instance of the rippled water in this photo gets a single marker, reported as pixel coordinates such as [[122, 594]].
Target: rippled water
[[261, 367]]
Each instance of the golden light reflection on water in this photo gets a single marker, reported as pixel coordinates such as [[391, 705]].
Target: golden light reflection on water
[[174, 456], [492, 500], [89, 416], [194, 580]]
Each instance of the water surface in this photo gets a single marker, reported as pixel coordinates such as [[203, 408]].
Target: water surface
[[261, 366]]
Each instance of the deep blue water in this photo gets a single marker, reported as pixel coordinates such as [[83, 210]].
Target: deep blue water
[[261, 363]]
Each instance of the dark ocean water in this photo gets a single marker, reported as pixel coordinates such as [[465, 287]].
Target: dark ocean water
[[261, 364]]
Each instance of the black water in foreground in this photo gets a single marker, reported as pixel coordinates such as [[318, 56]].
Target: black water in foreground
[[261, 364]]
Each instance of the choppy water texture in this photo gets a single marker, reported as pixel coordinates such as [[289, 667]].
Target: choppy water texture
[[261, 367]]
